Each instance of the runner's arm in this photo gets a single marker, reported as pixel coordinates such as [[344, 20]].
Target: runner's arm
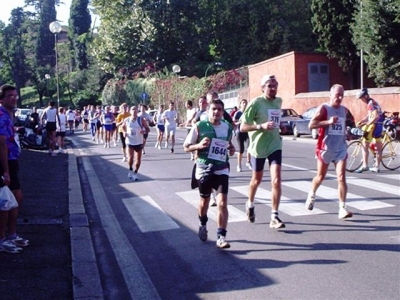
[[319, 119]]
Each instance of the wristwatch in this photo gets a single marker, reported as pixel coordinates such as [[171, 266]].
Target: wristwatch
[[258, 127]]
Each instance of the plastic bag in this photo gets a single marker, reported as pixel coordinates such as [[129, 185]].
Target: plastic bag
[[7, 199]]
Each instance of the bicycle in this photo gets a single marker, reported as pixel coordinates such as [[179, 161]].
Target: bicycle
[[390, 153]]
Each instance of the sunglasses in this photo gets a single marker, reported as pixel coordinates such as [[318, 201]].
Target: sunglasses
[[272, 86]]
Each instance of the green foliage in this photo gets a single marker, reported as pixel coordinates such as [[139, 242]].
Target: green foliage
[[79, 27], [45, 40], [376, 32], [332, 21]]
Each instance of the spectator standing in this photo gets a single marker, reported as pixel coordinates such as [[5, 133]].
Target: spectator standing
[[50, 114], [61, 129], [9, 154]]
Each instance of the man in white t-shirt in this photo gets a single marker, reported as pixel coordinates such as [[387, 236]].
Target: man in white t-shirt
[[170, 117]]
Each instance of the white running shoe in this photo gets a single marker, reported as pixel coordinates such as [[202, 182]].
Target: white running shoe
[[222, 243], [159, 147], [166, 145], [105, 145], [124, 159], [344, 213], [135, 177], [130, 175], [156, 145], [238, 168], [115, 144], [310, 201], [248, 165]]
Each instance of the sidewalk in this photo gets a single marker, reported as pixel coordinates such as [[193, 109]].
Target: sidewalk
[[59, 263]]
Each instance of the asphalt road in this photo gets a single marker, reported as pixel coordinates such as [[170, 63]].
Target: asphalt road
[[145, 233]]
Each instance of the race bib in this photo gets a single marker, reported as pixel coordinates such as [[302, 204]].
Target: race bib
[[337, 128], [274, 115], [218, 149], [108, 120]]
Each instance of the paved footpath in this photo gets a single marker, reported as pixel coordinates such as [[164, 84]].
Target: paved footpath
[[59, 263]]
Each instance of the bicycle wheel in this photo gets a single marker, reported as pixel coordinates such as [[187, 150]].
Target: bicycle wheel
[[391, 155], [354, 156]]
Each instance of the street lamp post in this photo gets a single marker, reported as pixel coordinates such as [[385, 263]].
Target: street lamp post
[[211, 65], [47, 78], [55, 28]]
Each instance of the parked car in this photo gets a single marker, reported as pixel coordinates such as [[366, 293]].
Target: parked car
[[288, 117], [20, 116], [300, 127]]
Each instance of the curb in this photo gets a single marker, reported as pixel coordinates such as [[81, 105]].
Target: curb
[[85, 273]]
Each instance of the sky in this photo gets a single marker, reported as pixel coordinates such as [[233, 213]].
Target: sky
[[8, 5]]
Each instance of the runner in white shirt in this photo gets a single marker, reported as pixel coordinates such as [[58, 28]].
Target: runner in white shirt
[[143, 114], [159, 121], [61, 128], [70, 119], [190, 115], [134, 127], [170, 117]]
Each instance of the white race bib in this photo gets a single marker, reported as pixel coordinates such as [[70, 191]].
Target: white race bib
[[338, 127], [218, 149], [274, 115]]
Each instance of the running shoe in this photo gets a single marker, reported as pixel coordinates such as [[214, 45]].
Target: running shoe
[[166, 145], [143, 152], [124, 159], [156, 145], [310, 201], [135, 177], [251, 216], [203, 233], [115, 144], [248, 165], [18, 241], [53, 154], [105, 145], [159, 147], [9, 247], [172, 150], [344, 213], [276, 223], [374, 169], [222, 243], [361, 169], [130, 175], [213, 200], [238, 168]]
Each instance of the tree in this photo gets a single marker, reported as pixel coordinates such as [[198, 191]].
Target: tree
[[45, 39], [79, 29], [13, 51], [332, 21], [376, 32]]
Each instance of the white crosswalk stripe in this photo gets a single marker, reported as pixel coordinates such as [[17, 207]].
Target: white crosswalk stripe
[[192, 197], [148, 215], [287, 206], [325, 192], [369, 184]]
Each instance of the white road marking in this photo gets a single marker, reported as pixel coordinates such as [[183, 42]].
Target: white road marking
[[287, 206], [148, 215], [353, 200], [192, 197]]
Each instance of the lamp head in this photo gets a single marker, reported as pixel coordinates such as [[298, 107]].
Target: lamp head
[[55, 27]]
